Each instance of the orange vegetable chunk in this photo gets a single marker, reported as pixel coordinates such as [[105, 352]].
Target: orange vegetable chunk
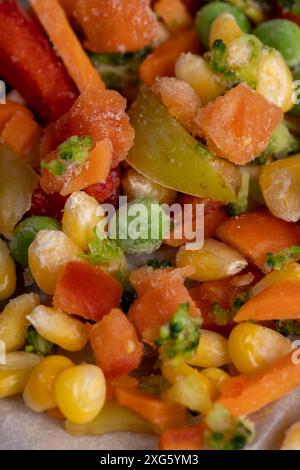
[[87, 291], [188, 438], [115, 344], [174, 13], [257, 233], [238, 125], [116, 26], [8, 110], [20, 132], [160, 292]]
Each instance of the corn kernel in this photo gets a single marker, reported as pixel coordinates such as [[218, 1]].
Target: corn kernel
[[216, 376], [173, 373], [212, 262], [13, 322], [82, 213], [59, 328], [279, 182], [39, 391], [47, 255], [136, 186], [252, 347], [80, 393], [194, 70], [15, 372], [290, 273], [292, 438], [212, 351], [224, 27], [275, 80], [8, 278]]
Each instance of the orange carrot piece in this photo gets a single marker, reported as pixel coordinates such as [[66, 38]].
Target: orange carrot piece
[[162, 61], [68, 6], [20, 132], [174, 13], [281, 301], [257, 233], [162, 414], [7, 111], [67, 45], [188, 438], [124, 381], [250, 394]]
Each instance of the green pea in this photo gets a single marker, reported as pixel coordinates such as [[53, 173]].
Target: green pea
[[207, 15], [139, 227], [25, 233], [283, 35]]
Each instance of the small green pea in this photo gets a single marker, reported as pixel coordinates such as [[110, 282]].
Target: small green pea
[[140, 228], [283, 35], [207, 15], [25, 233]]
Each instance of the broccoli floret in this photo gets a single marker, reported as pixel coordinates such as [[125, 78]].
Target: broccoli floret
[[239, 302], [37, 344], [159, 263], [240, 206], [103, 251], [153, 384], [277, 261], [288, 327], [281, 144], [180, 337]]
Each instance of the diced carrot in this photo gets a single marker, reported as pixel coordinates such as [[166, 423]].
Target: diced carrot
[[8, 110], [250, 394], [68, 6], [124, 381], [115, 344], [280, 301], [67, 45], [257, 233], [188, 438], [160, 292], [162, 61], [20, 132], [117, 26], [174, 13], [161, 414], [238, 125], [87, 291]]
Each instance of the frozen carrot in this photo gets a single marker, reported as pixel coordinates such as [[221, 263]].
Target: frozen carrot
[[250, 394], [20, 132], [161, 414], [67, 45], [174, 13], [162, 61], [8, 110], [187, 438], [257, 233]]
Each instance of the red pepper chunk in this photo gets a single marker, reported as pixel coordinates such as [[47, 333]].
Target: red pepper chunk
[[29, 64], [87, 291], [115, 344]]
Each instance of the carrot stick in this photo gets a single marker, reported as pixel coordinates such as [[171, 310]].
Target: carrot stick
[[257, 233], [67, 45], [162, 61], [188, 438], [250, 394], [174, 13], [20, 132], [163, 415], [8, 109]]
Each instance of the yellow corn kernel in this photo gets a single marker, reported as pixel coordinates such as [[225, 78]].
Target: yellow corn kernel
[[275, 80], [279, 182], [216, 376], [212, 351], [8, 277], [15, 372], [82, 213], [212, 262], [290, 273], [59, 328], [39, 391], [47, 256], [224, 27], [252, 347], [194, 70], [13, 322], [80, 393], [173, 373], [136, 185], [292, 438]]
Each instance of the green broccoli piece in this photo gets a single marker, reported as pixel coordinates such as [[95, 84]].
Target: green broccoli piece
[[153, 384], [287, 327], [239, 302], [104, 251], [35, 343], [240, 206], [180, 337], [282, 143], [129, 294], [159, 264], [278, 261], [221, 315]]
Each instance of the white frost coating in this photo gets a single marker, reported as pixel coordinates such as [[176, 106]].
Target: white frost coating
[[52, 248], [86, 207]]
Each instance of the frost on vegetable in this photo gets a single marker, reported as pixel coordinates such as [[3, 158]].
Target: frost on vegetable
[[278, 261]]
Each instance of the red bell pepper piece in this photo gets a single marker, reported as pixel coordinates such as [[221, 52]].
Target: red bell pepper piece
[[29, 64], [87, 291], [51, 205], [109, 190]]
